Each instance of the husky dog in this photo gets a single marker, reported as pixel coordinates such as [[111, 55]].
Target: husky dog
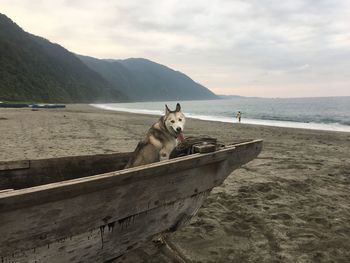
[[161, 139]]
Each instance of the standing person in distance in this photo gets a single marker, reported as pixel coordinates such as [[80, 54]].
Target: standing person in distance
[[239, 116]]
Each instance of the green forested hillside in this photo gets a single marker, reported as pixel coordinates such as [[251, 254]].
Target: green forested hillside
[[34, 69], [144, 80]]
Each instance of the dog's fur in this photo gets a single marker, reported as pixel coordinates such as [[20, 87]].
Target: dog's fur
[[160, 140]]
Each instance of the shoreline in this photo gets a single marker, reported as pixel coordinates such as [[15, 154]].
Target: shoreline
[[289, 204], [334, 127], [12, 132]]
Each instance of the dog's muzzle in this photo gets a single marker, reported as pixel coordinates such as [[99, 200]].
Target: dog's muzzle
[[179, 135]]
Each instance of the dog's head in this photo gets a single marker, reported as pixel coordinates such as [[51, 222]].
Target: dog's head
[[175, 121]]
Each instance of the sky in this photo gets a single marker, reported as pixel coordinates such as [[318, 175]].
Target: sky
[[265, 48]]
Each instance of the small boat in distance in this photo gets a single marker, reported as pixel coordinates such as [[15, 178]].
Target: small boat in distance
[[33, 106], [13, 105], [47, 106], [90, 209]]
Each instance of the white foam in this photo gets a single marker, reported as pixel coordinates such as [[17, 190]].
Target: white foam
[[116, 108], [285, 124]]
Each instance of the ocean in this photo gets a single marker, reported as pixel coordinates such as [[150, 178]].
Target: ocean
[[324, 113]]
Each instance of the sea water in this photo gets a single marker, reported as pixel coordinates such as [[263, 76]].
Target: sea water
[[326, 113]]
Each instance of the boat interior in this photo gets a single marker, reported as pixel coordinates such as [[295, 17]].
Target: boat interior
[[22, 174], [16, 175]]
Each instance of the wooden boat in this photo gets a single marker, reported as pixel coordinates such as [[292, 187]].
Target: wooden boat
[[86, 209]]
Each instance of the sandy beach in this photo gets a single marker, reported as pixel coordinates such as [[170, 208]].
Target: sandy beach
[[292, 204]]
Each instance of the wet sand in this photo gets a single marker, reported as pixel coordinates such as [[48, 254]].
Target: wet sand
[[292, 204]]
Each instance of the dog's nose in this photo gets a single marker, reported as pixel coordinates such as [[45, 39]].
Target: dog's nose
[[178, 129]]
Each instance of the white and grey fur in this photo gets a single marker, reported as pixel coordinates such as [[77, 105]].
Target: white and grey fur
[[160, 139]]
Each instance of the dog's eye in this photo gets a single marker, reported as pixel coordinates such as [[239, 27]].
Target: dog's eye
[[172, 121], [180, 119]]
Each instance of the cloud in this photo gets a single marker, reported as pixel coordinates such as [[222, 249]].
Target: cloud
[[256, 47]]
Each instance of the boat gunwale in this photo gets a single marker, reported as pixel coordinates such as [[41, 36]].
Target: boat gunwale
[[27, 163], [14, 197]]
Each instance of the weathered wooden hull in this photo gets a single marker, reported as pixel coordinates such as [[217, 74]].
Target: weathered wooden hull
[[98, 218]]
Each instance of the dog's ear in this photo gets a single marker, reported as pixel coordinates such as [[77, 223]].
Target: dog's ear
[[167, 110], [178, 107]]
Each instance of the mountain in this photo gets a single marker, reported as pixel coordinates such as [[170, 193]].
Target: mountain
[[34, 69], [143, 80]]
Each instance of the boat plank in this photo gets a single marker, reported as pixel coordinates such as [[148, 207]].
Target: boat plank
[[64, 218], [14, 165], [111, 240], [6, 190]]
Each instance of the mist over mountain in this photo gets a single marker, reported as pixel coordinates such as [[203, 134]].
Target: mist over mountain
[[144, 80], [223, 96], [34, 69]]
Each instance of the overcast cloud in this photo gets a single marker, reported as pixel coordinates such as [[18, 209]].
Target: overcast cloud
[[268, 48]]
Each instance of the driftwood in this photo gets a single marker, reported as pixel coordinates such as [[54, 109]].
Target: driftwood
[[171, 251]]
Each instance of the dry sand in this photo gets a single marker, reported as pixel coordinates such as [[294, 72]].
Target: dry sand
[[292, 204]]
